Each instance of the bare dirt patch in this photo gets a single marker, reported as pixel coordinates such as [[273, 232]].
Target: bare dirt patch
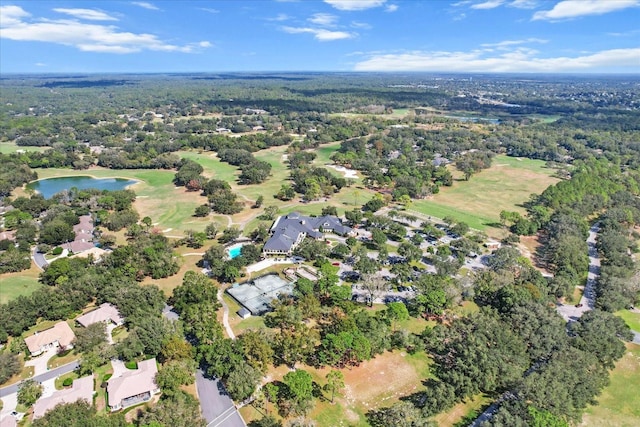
[[381, 381], [529, 246], [431, 126]]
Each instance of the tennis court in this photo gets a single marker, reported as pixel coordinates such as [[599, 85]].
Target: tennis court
[[257, 294]]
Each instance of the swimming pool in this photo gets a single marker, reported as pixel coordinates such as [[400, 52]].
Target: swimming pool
[[234, 252]]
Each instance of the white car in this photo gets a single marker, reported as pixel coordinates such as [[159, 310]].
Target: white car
[[17, 415]]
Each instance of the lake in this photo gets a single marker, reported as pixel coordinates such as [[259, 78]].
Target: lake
[[50, 186]]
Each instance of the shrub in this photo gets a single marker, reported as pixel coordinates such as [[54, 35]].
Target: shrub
[[56, 251], [67, 382]]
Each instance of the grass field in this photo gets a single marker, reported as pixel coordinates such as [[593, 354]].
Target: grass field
[[158, 198], [10, 147], [618, 404], [461, 410], [631, 318], [324, 153], [13, 285], [478, 202]]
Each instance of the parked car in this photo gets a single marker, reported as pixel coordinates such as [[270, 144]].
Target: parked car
[[17, 415]]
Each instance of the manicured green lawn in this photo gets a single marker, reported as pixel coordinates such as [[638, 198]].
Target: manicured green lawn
[[324, 153], [12, 285], [10, 147], [479, 201], [618, 404], [158, 198], [58, 382], [212, 165], [631, 318]]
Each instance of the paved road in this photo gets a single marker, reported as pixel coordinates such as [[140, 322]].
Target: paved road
[[42, 377], [38, 258], [569, 312], [168, 313], [217, 407]]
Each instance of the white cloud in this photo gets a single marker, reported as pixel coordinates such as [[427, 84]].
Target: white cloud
[[568, 9], [88, 14], [363, 25], [145, 5], [40, 64], [320, 34], [323, 19], [83, 36], [12, 15], [490, 4], [355, 4], [624, 33], [518, 60], [507, 43], [209, 10], [279, 18], [524, 4], [391, 8]]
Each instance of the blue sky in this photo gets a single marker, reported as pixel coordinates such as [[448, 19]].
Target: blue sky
[[552, 36]]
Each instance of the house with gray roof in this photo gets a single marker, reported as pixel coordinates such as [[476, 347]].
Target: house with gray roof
[[288, 231]]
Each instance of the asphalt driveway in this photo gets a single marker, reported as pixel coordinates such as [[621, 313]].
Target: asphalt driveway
[[216, 405]]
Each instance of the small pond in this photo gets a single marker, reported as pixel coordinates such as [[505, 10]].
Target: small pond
[[50, 186]]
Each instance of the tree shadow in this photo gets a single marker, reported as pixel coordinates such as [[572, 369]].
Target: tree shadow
[[317, 392], [493, 224]]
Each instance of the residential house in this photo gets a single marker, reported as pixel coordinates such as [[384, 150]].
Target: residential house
[[492, 245], [82, 388], [60, 336], [289, 231], [106, 313], [8, 235], [133, 386], [83, 240]]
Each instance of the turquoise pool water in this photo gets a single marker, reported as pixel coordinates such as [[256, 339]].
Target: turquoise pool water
[[234, 252]]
